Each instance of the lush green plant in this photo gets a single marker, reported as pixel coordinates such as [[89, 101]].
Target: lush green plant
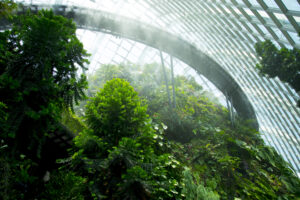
[[116, 112], [65, 184], [194, 190]]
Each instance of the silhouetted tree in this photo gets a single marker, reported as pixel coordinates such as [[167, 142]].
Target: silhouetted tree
[[284, 63]]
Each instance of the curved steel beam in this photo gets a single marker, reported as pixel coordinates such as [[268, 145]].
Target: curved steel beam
[[97, 20]]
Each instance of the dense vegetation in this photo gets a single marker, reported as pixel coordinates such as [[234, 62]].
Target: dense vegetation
[[39, 58], [130, 143], [227, 161]]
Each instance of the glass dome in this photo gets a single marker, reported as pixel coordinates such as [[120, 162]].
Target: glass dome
[[225, 31]]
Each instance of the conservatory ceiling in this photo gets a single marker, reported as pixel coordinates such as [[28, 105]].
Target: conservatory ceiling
[[226, 31]]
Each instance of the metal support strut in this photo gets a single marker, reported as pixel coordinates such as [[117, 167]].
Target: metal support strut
[[173, 81], [166, 79]]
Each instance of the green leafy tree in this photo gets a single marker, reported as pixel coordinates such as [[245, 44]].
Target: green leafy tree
[[116, 112], [39, 58], [283, 63], [6, 8], [121, 153], [45, 47]]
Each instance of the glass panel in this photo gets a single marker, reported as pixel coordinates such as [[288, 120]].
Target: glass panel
[[271, 3], [292, 5], [294, 36], [249, 12], [297, 19], [254, 3]]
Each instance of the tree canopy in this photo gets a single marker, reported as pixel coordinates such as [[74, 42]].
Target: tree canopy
[[39, 59], [6, 8], [282, 63]]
